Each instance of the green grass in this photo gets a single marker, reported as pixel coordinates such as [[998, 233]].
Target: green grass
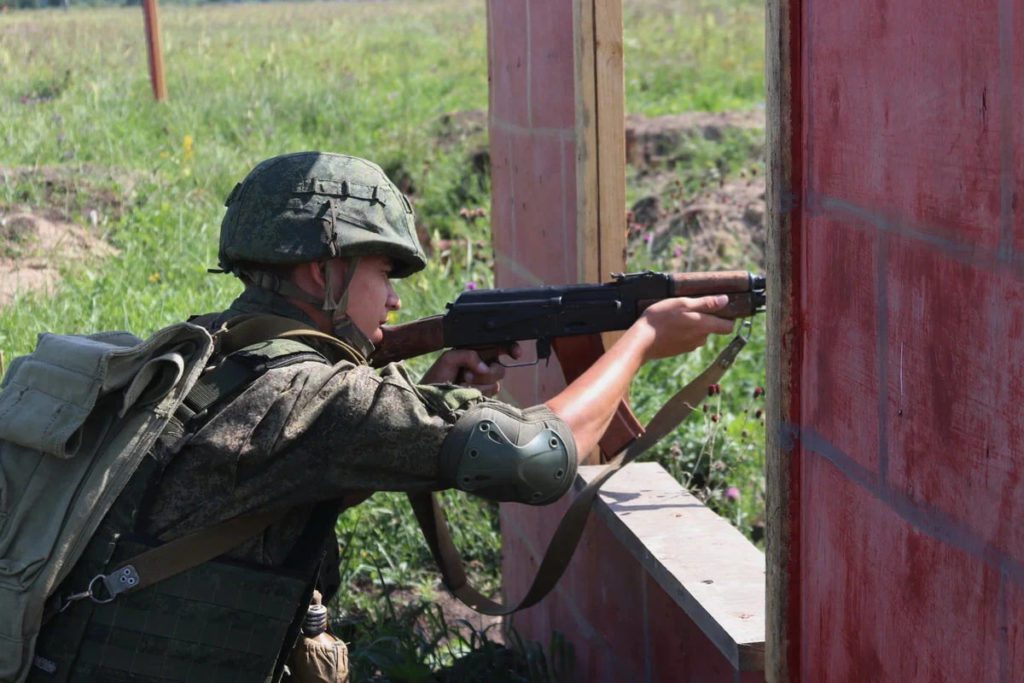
[[79, 125], [693, 55]]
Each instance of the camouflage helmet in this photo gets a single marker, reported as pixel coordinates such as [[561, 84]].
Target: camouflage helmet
[[312, 206]]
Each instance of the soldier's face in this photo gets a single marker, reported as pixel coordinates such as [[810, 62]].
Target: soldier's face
[[371, 296]]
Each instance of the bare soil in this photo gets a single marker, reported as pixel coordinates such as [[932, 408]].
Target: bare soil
[[722, 225], [653, 142], [34, 245], [39, 237]]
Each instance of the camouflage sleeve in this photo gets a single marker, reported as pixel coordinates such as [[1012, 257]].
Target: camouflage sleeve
[[312, 431]]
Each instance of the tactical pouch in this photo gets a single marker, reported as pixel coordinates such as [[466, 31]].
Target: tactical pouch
[[323, 659]]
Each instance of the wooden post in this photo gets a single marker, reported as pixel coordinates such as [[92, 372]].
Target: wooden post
[[601, 135], [783, 198], [151, 15]]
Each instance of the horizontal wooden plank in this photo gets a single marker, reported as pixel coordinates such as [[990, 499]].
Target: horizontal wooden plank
[[706, 565]]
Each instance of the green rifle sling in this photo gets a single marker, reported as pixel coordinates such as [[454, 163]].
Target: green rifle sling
[[570, 529]]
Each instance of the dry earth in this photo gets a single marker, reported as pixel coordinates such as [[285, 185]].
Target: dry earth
[[39, 237], [35, 244], [722, 226]]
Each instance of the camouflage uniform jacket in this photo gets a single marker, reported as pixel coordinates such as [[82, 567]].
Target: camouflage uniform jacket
[[302, 434]]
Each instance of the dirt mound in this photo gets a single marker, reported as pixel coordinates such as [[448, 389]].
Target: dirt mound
[[709, 214], [721, 228], [656, 141], [649, 141], [460, 127], [72, 190], [719, 225], [38, 235], [34, 246]]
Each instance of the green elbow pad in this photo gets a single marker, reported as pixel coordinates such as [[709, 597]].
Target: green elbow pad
[[498, 452]]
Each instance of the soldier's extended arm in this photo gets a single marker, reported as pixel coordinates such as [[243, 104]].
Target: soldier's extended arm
[[667, 328]]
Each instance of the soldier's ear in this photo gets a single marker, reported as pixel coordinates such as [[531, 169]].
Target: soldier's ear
[[308, 276], [316, 274]]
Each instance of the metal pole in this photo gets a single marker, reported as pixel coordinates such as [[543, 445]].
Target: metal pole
[[156, 59]]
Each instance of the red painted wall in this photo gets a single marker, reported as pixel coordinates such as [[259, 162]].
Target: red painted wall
[[909, 555], [533, 159]]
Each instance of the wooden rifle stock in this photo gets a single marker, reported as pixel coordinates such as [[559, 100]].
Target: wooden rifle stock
[[409, 340]]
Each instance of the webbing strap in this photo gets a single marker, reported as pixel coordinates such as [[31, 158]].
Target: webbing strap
[[567, 535], [214, 386], [246, 330], [188, 551]]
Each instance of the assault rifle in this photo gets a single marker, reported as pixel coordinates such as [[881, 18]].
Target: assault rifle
[[491, 320]]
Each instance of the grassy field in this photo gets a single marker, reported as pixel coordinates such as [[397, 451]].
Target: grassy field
[[82, 135]]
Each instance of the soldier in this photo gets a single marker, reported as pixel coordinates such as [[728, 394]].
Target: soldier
[[311, 428]]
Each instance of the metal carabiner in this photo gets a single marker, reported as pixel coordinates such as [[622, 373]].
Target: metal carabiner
[[746, 326], [74, 597], [90, 594]]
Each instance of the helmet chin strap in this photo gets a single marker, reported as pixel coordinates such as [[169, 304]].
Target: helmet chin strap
[[338, 305], [341, 325]]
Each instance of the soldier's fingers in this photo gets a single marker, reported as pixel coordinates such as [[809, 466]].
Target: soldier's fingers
[[496, 371], [716, 325], [467, 359], [706, 304]]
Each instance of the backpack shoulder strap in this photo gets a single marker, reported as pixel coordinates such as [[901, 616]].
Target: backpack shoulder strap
[[246, 330], [239, 369]]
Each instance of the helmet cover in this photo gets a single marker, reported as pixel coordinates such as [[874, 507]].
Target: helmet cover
[[313, 206]]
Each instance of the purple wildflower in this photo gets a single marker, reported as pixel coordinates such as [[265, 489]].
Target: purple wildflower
[[732, 493]]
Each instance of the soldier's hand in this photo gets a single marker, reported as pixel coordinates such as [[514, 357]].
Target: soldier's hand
[[466, 367], [679, 325]]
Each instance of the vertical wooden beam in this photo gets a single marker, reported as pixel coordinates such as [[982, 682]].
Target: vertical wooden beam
[[151, 16], [610, 85], [784, 197], [601, 138], [588, 227], [600, 144]]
